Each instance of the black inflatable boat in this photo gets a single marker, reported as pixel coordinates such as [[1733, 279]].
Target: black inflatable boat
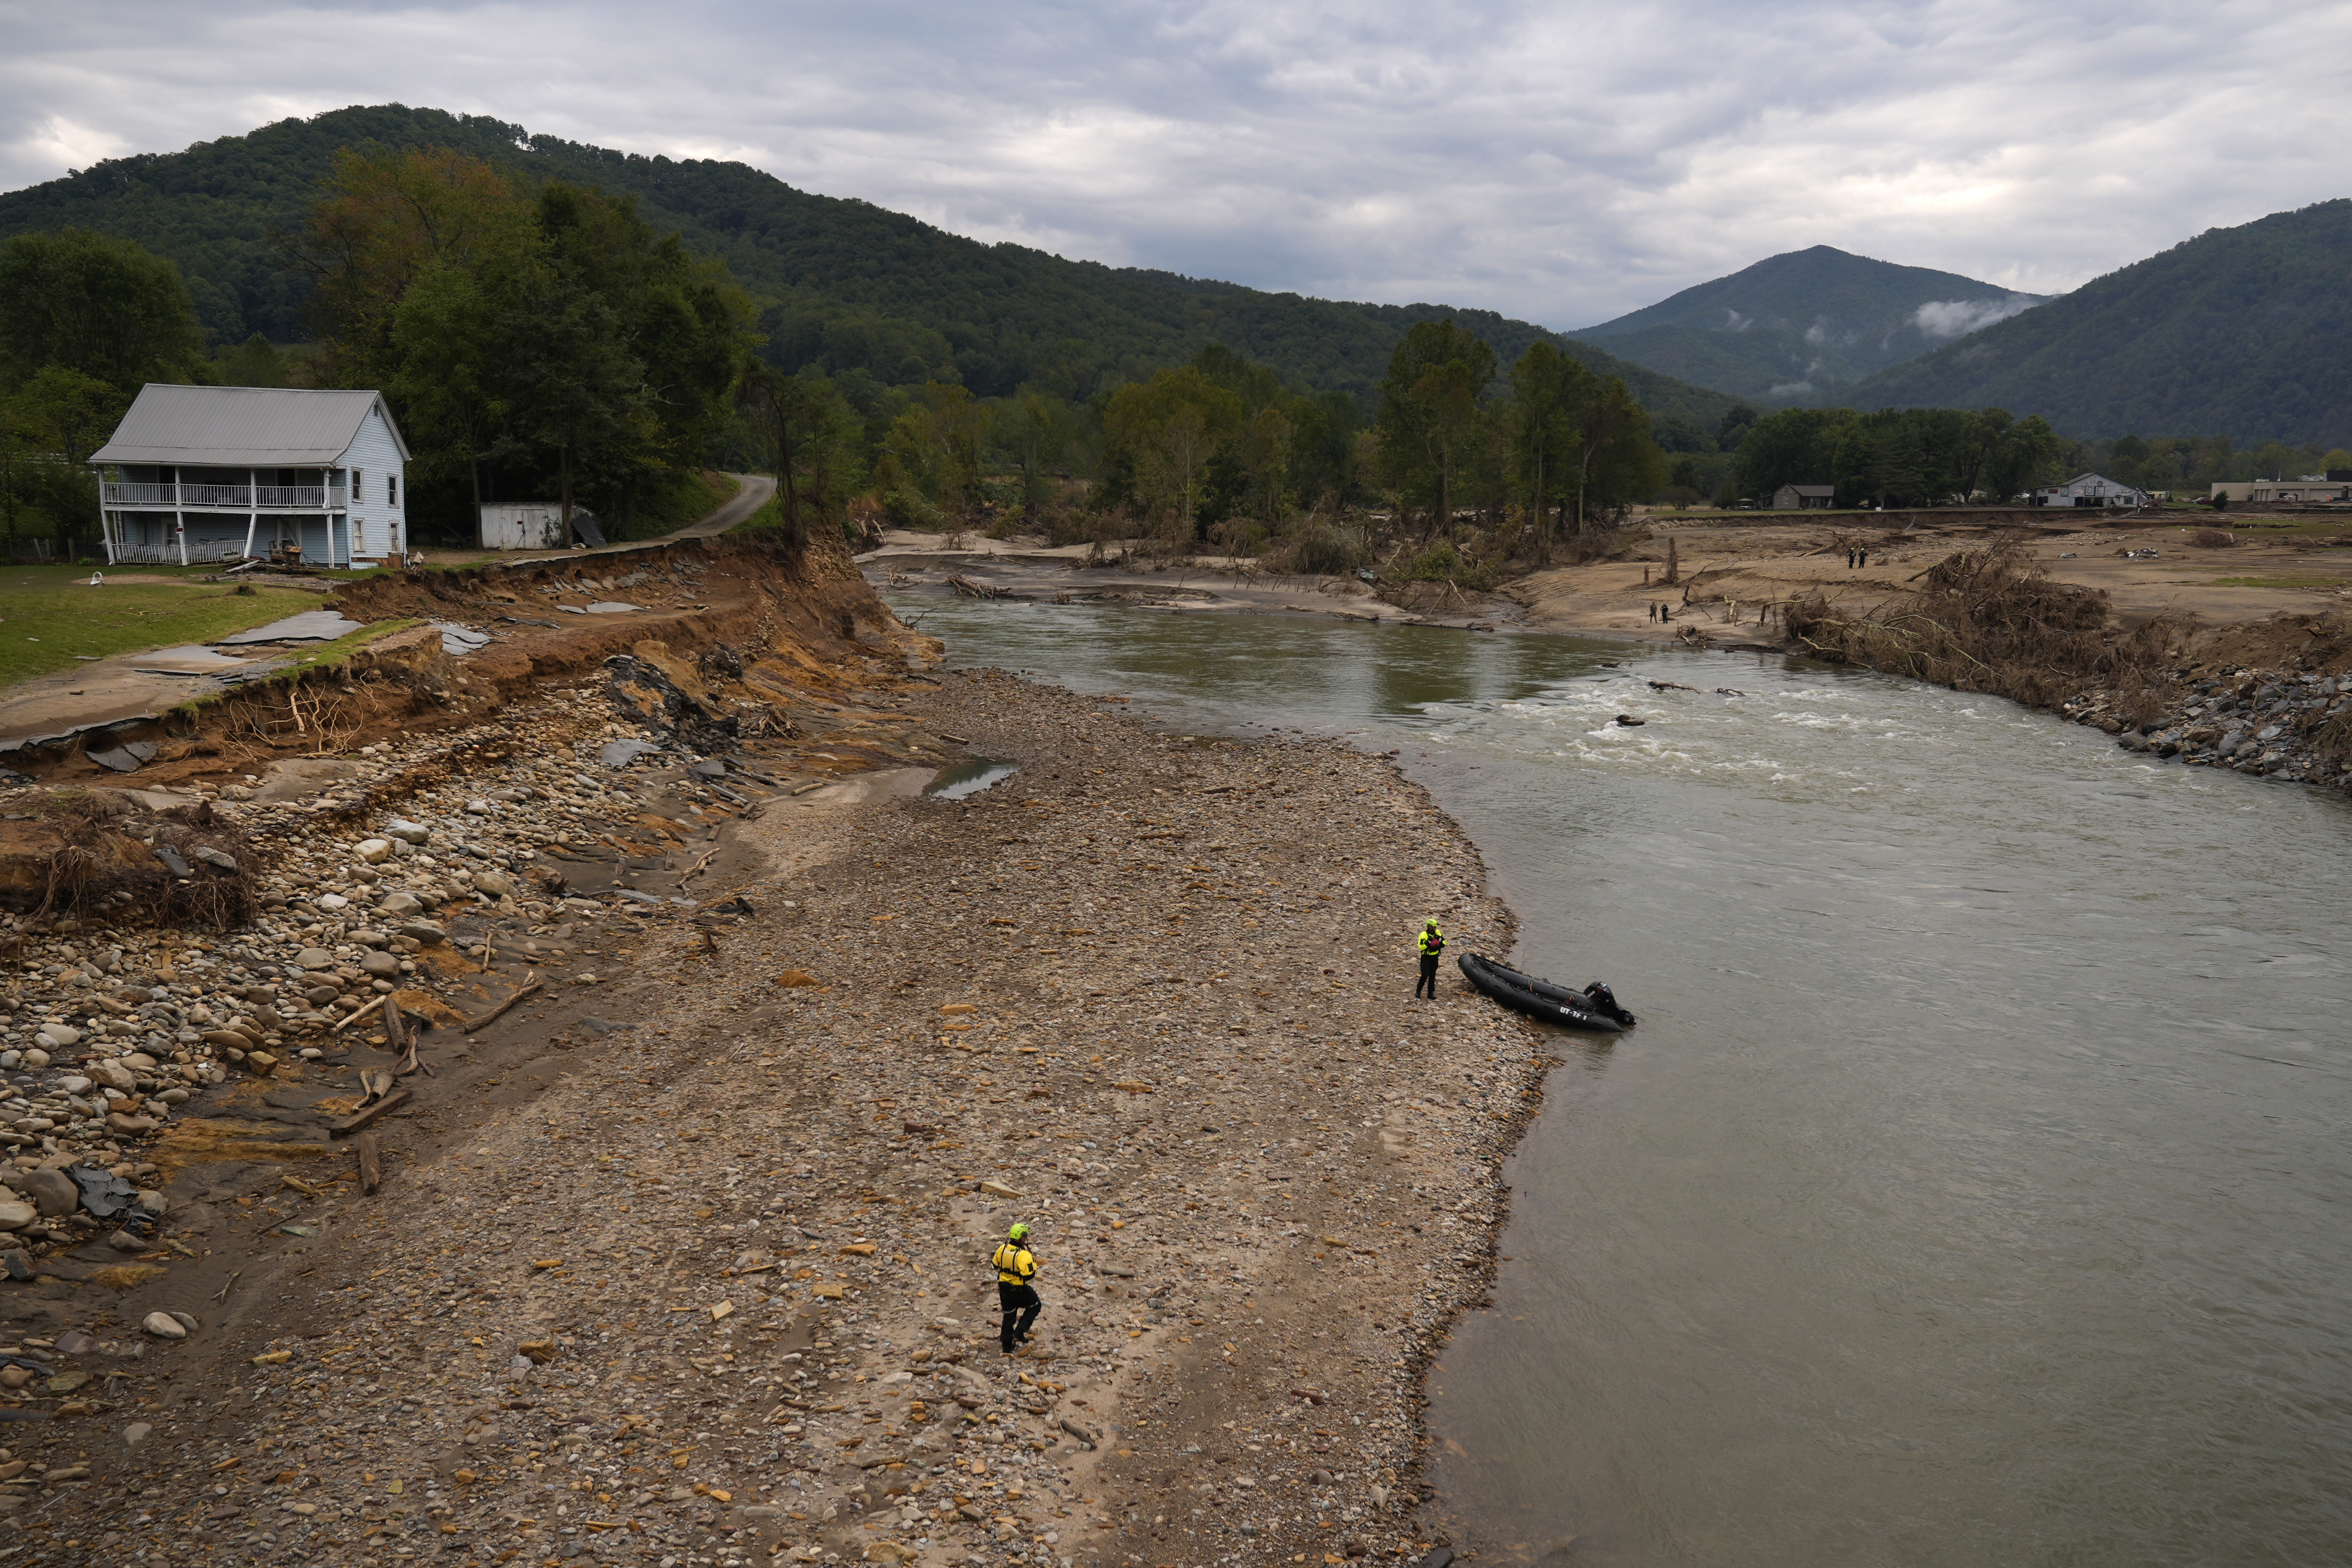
[[1595, 1007]]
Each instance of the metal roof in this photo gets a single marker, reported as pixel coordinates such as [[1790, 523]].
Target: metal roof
[[242, 427]]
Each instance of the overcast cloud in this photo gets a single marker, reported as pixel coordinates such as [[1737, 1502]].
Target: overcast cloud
[[1562, 162]]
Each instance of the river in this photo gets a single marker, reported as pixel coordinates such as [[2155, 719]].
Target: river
[[1976, 1187]]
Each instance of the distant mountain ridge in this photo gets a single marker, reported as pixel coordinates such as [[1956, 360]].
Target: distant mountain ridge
[[845, 283], [1802, 326], [2244, 333]]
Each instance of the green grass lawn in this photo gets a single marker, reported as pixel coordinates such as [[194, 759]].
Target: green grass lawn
[[50, 614]]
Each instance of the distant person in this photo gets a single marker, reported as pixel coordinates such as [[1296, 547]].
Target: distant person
[[1015, 1266], [1665, 612], [1431, 944], [1848, 560], [1654, 612], [1865, 560]]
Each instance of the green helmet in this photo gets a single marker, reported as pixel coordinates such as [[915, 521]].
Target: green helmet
[[1018, 1232]]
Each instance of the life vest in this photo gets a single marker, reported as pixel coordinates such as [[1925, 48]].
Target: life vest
[[1013, 1263], [1431, 941]]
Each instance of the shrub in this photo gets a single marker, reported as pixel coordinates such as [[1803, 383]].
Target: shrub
[[2212, 539]]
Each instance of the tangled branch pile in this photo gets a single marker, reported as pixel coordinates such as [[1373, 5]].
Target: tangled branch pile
[[1990, 620]]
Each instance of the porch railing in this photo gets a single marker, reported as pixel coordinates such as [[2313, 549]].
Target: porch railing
[[148, 555], [235, 498]]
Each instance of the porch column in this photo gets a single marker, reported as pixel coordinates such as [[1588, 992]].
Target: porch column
[[252, 521], [179, 530]]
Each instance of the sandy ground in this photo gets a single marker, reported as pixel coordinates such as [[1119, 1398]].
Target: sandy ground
[[1730, 573], [700, 1278], [1030, 569]]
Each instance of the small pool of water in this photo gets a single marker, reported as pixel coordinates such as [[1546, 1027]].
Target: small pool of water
[[970, 778]]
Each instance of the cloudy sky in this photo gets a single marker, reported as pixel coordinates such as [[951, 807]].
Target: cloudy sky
[[1563, 162]]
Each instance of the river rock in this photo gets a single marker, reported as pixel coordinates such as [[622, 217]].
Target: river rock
[[114, 1075], [163, 1326], [424, 932], [219, 859], [16, 1215], [51, 1192], [494, 884], [383, 966], [373, 851], [407, 832], [57, 1037], [398, 904], [315, 957], [35, 1058]]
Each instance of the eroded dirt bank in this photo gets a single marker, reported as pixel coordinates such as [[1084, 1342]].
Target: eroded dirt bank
[[685, 1263]]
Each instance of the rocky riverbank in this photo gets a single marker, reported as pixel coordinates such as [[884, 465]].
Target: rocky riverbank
[[2271, 698], [679, 1259], [2285, 724]]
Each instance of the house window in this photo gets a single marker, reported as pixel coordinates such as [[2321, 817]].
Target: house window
[[359, 487], [391, 489]]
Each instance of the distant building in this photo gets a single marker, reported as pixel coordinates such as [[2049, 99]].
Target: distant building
[[215, 473], [1795, 498], [2334, 486], [2090, 490]]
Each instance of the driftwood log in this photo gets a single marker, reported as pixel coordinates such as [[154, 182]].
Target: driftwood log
[[495, 1014], [372, 1114]]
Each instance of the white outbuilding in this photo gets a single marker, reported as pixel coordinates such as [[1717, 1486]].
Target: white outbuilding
[[223, 473], [2090, 490]]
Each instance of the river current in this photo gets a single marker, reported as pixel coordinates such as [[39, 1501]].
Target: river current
[[1976, 1187]]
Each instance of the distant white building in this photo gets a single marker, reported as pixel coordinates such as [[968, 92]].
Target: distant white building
[[215, 473], [2090, 490]]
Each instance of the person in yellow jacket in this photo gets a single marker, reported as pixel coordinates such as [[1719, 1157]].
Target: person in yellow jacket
[[1015, 1266], [1432, 943]]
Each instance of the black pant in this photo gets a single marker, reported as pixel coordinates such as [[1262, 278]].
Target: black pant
[[1428, 976], [1019, 1302]]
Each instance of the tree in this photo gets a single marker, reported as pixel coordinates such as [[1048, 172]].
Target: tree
[[579, 393], [1429, 411], [1168, 429], [1617, 463], [253, 362], [1548, 390], [1035, 430], [102, 307], [385, 220], [452, 386]]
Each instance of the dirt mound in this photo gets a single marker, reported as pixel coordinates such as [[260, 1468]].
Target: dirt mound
[[2320, 642]]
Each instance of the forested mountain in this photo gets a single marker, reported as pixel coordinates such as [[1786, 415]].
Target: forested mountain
[[1803, 326], [2244, 333], [844, 284]]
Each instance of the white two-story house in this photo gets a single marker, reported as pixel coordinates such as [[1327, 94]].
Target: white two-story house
[[222, 473]]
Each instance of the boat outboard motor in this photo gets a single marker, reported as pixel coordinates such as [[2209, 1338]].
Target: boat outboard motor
[[1605, 1002]]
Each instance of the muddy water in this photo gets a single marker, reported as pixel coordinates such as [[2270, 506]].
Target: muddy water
[[1976, 1187]]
